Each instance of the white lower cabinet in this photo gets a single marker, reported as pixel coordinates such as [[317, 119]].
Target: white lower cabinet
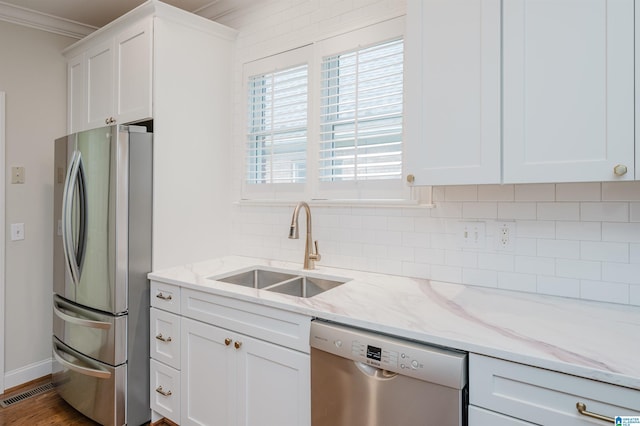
[[165, 390], [507, 393], [233, 379]]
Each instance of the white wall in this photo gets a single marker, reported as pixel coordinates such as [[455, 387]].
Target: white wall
[[573, 240], [33, 75]]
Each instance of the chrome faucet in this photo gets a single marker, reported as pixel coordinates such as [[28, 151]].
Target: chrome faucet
[[310, 253]]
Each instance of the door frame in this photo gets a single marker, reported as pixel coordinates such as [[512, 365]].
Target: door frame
[[2, 233]]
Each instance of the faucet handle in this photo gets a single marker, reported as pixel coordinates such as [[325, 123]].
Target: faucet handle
[[316, 254]]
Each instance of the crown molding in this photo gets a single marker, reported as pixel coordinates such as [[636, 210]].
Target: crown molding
[[42, 21]]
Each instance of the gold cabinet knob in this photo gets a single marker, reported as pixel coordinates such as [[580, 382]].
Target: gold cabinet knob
[[237, 344], [227, 341], [620, 169], [411, 178]]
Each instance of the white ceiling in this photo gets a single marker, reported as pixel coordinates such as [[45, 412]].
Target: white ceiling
[[97, 13]]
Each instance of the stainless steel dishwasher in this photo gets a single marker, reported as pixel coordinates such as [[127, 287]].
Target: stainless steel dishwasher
[[360, 378]]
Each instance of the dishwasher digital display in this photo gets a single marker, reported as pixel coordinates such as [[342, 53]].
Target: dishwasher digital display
[[374, 353]]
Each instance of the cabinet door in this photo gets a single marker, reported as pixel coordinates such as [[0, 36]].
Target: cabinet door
[[274, 385], [133, 79], [568, 90], [76, 93], [208, 375], [453, 91], [99, 69]]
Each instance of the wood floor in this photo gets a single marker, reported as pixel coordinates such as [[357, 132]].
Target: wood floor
[[40, 410], [46, 409]]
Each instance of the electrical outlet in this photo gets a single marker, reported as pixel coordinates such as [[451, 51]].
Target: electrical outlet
[[472, 234], [505, 236], [17, 174]]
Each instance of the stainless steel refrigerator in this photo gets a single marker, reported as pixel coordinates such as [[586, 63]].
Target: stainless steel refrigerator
[[102, 254]]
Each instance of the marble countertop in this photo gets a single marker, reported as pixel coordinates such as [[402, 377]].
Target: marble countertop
[[599, 341]]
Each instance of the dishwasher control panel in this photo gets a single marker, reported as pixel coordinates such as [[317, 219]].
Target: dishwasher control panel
[[393, 354]]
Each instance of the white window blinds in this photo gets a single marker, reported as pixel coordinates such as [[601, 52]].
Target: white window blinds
[[277, 127], [361, 114]]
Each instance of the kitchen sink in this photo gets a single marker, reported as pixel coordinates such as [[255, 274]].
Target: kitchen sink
[[284, 282]]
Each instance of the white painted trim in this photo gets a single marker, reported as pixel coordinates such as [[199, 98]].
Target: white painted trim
[[2, 228], [28, 373], [42, 21]]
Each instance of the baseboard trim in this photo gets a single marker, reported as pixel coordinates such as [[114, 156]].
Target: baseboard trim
[[27, 373]]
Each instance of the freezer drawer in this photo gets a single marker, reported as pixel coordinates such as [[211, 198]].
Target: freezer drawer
[[95, 389], [95, 334]]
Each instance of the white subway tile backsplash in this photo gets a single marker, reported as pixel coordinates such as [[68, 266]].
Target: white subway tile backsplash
[[496, 193], [604, 212], [634, 212], [620, 191], [535, 265], [558, 211], [556, 286], [535, 192], [522, 211], [578, 192], [634, 295], [621, 272], [566, 249], [480, 277], [578, 240], [496, 262], [461, 193], [516, 281], [604, 251], [604, 291], [480, 210], [583, 269], [622, 232], [587, 231]]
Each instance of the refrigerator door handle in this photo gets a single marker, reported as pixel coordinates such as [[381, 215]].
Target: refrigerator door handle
[[80, 321], [75, 179], [100, 374]]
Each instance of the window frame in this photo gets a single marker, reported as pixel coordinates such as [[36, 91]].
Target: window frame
[[313, 189]]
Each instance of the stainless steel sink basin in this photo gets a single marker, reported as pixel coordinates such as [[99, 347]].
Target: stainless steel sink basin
[[256, 278], [285, 282]]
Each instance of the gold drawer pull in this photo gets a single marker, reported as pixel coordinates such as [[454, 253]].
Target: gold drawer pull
[[582, 409], [162, 392], [163, 339], [163, 297]]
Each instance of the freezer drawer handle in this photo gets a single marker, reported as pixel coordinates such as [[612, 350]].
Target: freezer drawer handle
[[163, 339], [163, 297], [582, 409], [79, 321], [100, 374], [162, 392]]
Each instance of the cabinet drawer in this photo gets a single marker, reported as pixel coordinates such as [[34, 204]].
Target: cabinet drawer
[[165, 391], [273, 325], [543, 396], [165, 296], [165, 337], [481, 417]]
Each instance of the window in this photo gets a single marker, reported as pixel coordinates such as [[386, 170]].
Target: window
[[361, 114], [325, 121]]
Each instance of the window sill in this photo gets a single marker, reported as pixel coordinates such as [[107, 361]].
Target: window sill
[[404, 204]]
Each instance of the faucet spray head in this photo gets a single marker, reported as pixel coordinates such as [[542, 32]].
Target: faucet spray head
[[293, 232]]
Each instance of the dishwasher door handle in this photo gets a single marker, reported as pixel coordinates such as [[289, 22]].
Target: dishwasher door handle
[[374, 372]]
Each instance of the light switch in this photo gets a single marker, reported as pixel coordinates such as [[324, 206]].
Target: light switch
[[17, 174], [17, 231]]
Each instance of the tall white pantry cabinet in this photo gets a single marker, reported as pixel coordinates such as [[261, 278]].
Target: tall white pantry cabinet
[[164, 64], [520, 91]]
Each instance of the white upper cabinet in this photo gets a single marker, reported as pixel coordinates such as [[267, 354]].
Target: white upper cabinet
[[115, 77], [568, 90], [453, 91], [520, 91]]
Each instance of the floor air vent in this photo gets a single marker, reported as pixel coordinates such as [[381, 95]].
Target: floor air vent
[[25, 395]]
